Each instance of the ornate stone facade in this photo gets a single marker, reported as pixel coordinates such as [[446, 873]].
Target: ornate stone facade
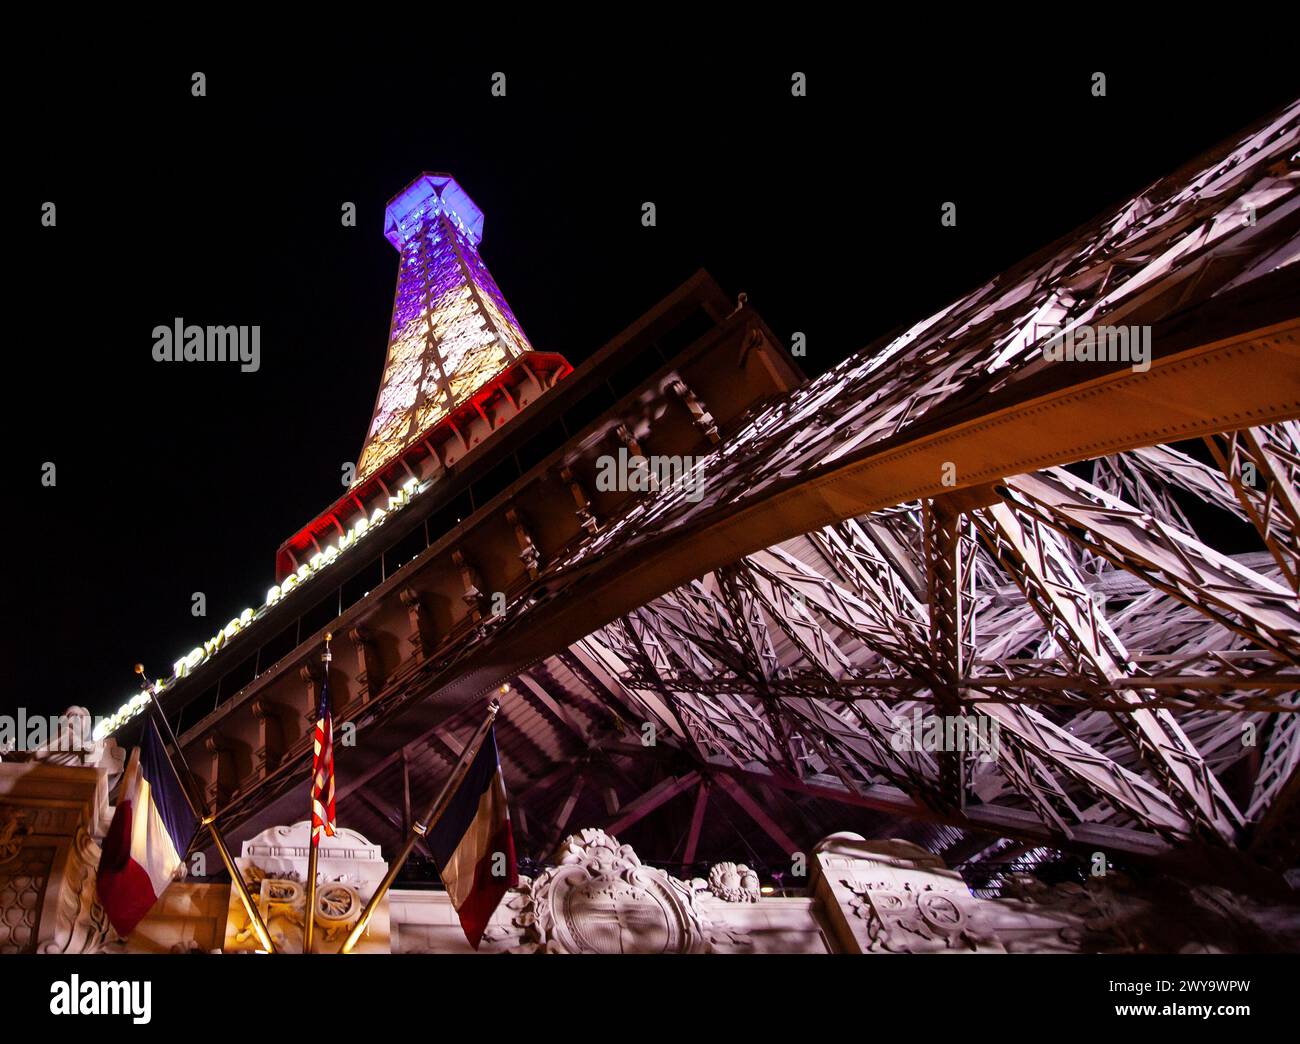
[[22, 886], [51, 814], [895, 897], [598, 897], [274, 864], [601, 899]]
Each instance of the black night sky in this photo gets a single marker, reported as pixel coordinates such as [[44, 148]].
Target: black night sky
[[179, 478]]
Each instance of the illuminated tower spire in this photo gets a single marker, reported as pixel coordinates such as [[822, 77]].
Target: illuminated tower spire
[[452, 330], [458, 366]]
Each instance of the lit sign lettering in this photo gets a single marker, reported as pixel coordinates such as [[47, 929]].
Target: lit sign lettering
[[319, 561]]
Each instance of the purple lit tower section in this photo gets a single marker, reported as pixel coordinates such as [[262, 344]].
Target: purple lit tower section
[[458, 368], [452, 332]]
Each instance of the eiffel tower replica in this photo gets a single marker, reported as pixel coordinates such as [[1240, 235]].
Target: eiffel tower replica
[[719, 601]]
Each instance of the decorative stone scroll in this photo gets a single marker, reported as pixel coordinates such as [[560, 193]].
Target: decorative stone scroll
[[734, 883]]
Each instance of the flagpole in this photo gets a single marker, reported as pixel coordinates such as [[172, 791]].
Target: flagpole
[[422, 826], [309, 923], [199, 812]]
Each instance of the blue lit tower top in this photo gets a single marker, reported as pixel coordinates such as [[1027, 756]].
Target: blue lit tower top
[[452, 330]]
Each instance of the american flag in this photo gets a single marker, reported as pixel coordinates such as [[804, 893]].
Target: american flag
[[322, 770]]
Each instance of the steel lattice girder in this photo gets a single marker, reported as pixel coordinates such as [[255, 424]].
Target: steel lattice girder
[[884, 615], [1168, 558], [1041, 737], [765, 467], [1263, 467], [1045, 572], [1056, 593], [696, 609]]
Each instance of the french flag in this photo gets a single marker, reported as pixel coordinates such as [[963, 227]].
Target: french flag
[[151, 832], [472, 843]]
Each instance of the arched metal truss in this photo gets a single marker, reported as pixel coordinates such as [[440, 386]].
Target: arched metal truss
[[1142, 678], [1100, 560]]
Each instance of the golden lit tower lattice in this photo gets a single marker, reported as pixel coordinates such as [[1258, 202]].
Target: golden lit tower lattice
[[452, 330], [458, 367]]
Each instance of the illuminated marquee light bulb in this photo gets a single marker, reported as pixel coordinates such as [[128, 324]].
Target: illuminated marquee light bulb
[[200, 654]]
